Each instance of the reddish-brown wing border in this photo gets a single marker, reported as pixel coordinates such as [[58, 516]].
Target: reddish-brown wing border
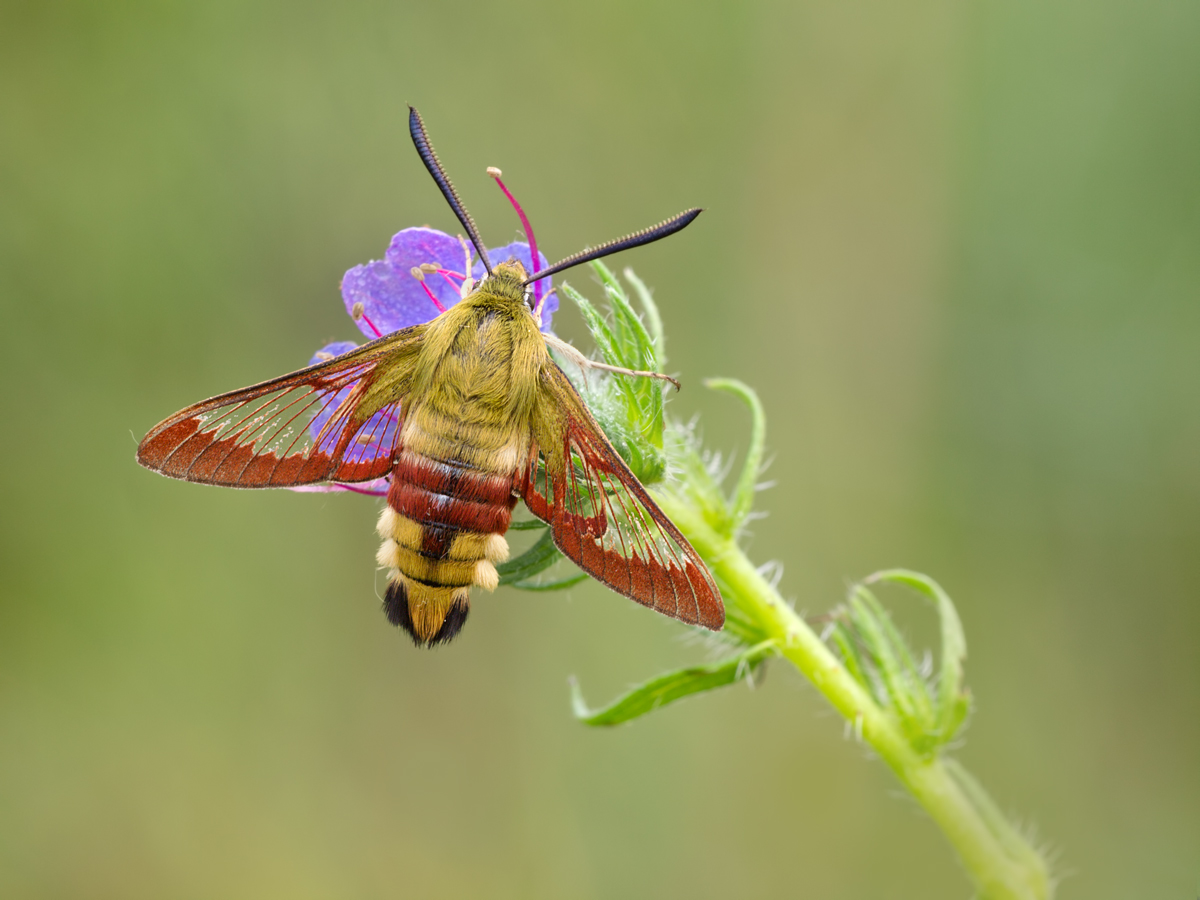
[[258, 437], [601, 516]]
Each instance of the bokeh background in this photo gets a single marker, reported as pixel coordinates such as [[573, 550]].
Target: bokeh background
[[954, 246]]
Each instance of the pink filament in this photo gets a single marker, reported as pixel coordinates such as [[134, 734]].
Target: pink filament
[[447, 274], [435, 300], [371, 325], [533, 250], [358, 490]]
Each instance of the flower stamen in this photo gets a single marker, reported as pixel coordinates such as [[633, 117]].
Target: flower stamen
[[450, 275], [418, 273], [533, 250], [358, 311]]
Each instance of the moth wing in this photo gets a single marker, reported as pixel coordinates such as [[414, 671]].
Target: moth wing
[[338, 420], [601, 516]]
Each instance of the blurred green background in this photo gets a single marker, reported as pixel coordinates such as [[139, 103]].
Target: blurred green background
[[954, 246]]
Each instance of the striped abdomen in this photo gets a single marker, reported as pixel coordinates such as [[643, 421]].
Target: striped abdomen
[[451, 499], [449, 506]]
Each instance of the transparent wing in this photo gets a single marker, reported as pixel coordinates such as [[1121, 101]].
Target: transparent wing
[[335, 421], [601, 516]]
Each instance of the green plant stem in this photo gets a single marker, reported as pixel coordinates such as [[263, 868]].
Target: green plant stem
[[1000, 872]]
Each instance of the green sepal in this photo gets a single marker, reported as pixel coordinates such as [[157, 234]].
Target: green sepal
[[665, 689]]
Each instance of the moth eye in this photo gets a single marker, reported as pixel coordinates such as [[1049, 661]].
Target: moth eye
[[529, 297]]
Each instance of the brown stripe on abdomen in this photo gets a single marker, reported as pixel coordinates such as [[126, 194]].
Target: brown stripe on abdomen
[[443, 532], [456, 479], [430, 508]]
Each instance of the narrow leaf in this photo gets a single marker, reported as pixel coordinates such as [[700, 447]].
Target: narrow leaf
[[846, 642], [560, 584], [653, 319], [952, 700], [743, 497], [637, 351], [867, 616], [606, 342], [637, 346], [601, 334], [671, 687], [527, 525], [626, 324], [541, 556]]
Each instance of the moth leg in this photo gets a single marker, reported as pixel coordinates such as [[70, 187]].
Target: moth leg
[[537, 313], [469, 284], [584, 363]]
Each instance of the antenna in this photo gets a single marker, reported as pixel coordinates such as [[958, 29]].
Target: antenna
[[645, 236], [421, 140]]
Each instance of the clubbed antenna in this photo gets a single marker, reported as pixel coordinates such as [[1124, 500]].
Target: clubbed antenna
[[421, 140], [645, 236]]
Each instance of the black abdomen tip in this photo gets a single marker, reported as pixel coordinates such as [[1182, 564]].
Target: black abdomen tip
[[396, 608]]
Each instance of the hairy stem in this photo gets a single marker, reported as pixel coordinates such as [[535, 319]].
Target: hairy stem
[[999, 861]]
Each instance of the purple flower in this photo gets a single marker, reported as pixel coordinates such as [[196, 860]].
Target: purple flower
[[393, 298], [383, 296]]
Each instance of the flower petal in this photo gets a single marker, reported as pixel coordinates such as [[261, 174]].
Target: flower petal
[[377, 488], [391, 297], [519, 250]]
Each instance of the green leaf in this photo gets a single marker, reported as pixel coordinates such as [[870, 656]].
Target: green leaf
[[601, 333], [527, 525], [846, 641], [639, 352], [653, 320], [953, 700], [559, 584], [610, 351], [625, 323], [672, 686], [743, 497], [538, 558], [630, 409], [907, 694]]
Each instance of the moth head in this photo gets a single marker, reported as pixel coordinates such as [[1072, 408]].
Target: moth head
[[508, 280]]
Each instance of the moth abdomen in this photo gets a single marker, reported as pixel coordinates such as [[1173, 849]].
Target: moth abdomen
[[443, 531]]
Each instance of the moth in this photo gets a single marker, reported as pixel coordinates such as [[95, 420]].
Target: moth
[[467, 414]]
